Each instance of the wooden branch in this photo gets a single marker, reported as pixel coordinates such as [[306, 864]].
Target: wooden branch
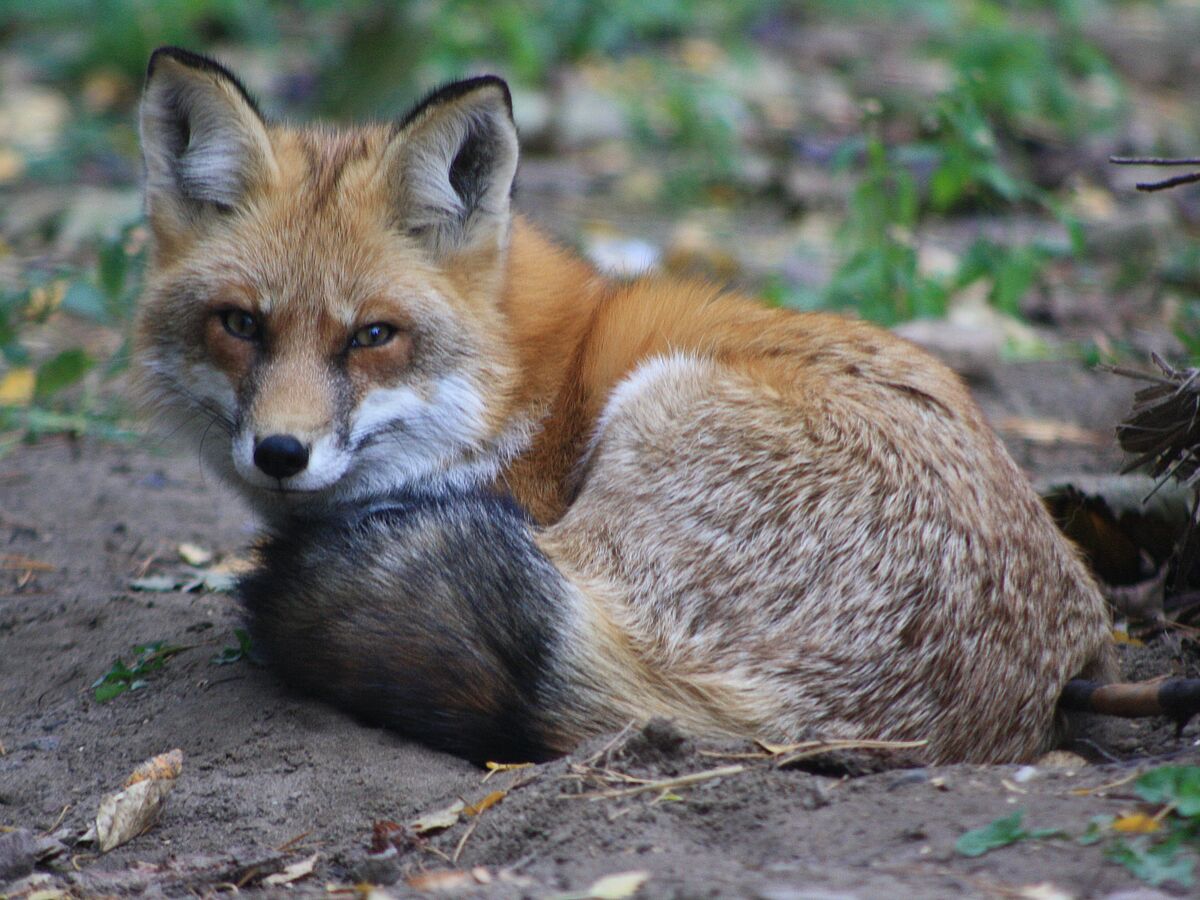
[[1154, 160], [1189, 178], [1174, 181]]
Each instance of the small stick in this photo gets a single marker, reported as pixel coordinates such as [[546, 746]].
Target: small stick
[[664, 785], [591, 760], [291, 842], [1177, 180], [1154, 160], [1189, 178], [462, 842]]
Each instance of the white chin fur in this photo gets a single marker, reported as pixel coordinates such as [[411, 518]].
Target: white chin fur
[[399, 440], [327, 463]]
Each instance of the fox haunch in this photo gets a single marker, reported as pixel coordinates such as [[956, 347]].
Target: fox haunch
[[752, 521]]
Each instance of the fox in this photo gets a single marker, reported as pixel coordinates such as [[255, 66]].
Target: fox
[[510, 502]]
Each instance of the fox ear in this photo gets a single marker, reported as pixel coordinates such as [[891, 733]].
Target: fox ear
[[203, 140], [451, 165]]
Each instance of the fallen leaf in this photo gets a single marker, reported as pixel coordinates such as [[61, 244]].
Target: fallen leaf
[[16, 387], [1051, 431], [294, 872], [1043, 891], [495, 768], [486, 803], [613, 887], [233, 565], [12, 164], [161, 767], [1121, 636], [441, 880], [133, 811], [439, 820], [195, 555], [1136, 823], [16, 562]]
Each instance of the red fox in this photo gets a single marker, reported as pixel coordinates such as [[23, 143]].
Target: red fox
[[513, 503]]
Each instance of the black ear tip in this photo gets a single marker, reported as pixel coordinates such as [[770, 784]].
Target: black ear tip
[[165, 52], [458, 89], [203, 64], [499, 83]]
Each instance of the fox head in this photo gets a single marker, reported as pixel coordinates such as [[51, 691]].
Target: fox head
[[322, 308]]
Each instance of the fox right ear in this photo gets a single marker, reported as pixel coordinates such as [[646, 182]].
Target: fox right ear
[[203, 140]]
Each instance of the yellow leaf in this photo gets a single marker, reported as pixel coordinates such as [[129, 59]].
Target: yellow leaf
[[194, 555], [1136, 823], [16, 387], [165, 766], [294, 872], [12, 164], [617, 887], [1123, 637], [46, 298], [439, 820], [486, 803]]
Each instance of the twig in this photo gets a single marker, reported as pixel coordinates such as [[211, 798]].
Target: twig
[[1154, 160], [462, 841], [62, 815], [664, 785], [19, 563], [1189, 178], [820, 747], [591, 760], [291, 842], [1174, 181]]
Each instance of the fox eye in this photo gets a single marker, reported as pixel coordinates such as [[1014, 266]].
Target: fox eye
[[373, 335], [240, 324]]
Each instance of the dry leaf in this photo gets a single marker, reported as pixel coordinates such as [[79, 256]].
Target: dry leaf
[[133, 811], [16, 387], [439, 820], [195, 555], [163, 766], [616, 887], [441, 880], [12, 164], [495, 767], [1043, 891], [486, 803], [294, 872], [1136, 823], [1051, 431]]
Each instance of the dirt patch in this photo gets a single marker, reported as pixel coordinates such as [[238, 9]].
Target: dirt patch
[[270, 778]]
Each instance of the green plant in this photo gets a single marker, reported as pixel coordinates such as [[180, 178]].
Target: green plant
[[1001, 833], [879, 275], [35, 395], [1032, 72], [121, 677], [230, 655], [1166, 843]]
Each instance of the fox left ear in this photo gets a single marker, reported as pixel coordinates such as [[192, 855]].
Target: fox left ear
[[204, 143], [452, 164]]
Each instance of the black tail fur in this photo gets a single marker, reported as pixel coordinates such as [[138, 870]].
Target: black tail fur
[[437, 617]]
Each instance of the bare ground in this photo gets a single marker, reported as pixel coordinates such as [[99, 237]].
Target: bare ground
[[266, 770]]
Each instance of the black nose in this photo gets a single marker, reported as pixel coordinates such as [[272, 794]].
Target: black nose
[[280, 455]]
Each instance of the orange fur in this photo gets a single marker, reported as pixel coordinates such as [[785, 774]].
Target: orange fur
[[772, 523]]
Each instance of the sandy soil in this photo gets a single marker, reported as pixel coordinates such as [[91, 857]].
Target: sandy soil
[[270, 778]]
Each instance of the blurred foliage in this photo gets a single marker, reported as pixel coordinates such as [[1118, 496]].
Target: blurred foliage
[[1016, 79]]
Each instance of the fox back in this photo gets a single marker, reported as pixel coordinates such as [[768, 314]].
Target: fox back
[[753, 521]]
